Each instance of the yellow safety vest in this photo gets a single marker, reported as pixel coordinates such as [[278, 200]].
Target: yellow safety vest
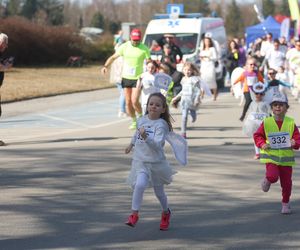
[[283, 156]]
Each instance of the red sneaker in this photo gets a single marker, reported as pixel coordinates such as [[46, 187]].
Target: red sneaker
[[132, 220], [165, 220]]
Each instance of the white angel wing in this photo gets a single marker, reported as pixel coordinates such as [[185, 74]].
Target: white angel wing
[[179, 147], [205, 87]]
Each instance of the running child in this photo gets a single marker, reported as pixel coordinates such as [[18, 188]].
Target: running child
[[258, 110], [189, 95], [149, 165], [164, 81], [277, 137], [145, 84]]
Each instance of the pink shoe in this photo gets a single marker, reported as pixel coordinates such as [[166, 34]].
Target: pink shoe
[[286, 209], [265, 185], [183, 135], [256, 157], [132, 220], [165, 221]]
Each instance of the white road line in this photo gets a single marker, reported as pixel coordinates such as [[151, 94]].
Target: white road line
[[64, 120], [62, 131], [66, 131]]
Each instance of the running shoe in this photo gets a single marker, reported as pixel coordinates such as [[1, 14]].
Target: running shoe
[[165, 220], [265, 185], [256, 157], [133, 125], [286, 209], [194, 117], [132, 220]]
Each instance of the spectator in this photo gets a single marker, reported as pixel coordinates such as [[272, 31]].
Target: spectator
[[4, 65], [208, 57], [171, 55], [267, 44], [242, 51], [232, 58], [274, 58], [169, 39]]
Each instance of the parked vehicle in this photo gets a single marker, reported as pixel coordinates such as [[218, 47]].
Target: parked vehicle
[[188, 31]]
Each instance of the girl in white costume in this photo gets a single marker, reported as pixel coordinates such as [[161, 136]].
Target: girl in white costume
[[145, 84], [149, 165], [190, 94], [258, 110]]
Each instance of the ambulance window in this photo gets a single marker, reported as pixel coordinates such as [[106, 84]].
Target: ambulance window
[[187, 42]]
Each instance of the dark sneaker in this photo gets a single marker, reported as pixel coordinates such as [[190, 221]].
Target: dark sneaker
[[2, 143]]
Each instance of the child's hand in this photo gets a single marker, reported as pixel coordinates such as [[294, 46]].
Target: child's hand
[[143, 133], [197, 102], [265, 146], [128, 149], [293, 142]]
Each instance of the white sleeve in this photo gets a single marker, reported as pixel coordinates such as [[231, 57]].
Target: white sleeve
[[179, 146]]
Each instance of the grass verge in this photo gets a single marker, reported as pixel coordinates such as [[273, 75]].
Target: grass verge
[[27, 83]]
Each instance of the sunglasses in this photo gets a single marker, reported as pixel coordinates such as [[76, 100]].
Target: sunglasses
[[272, 73], [252, 64], [259, 94]]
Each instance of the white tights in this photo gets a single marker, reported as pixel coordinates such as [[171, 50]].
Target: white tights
[[142, 181]]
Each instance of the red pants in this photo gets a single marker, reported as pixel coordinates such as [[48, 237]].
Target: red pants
[[273, 172]]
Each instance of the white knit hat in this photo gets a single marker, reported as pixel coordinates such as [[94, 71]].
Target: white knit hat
[[278, 97], [258, 87]]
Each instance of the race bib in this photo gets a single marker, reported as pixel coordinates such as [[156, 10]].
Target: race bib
[[129, 71], [149, 132], [162, 81], [257, 116], [279, 140], [251, 80]]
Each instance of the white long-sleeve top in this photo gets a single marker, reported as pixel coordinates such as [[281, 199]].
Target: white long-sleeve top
[[151, 149], [190, 91], [260, 108]]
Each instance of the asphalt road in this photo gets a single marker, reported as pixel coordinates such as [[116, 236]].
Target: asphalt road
[[63, 171]]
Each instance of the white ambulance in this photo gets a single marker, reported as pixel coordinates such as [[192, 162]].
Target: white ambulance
[[188, 31]]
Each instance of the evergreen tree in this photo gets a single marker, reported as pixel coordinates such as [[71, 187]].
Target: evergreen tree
[[13, 7], [284, 8], [54, 10], [114, 27], [80, 24], [233, 20], [98, 20], [200, 6], [268, 8], [29, 8], [219, 10]]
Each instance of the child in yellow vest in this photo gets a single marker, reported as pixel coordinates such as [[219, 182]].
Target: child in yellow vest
[[277, 136]]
